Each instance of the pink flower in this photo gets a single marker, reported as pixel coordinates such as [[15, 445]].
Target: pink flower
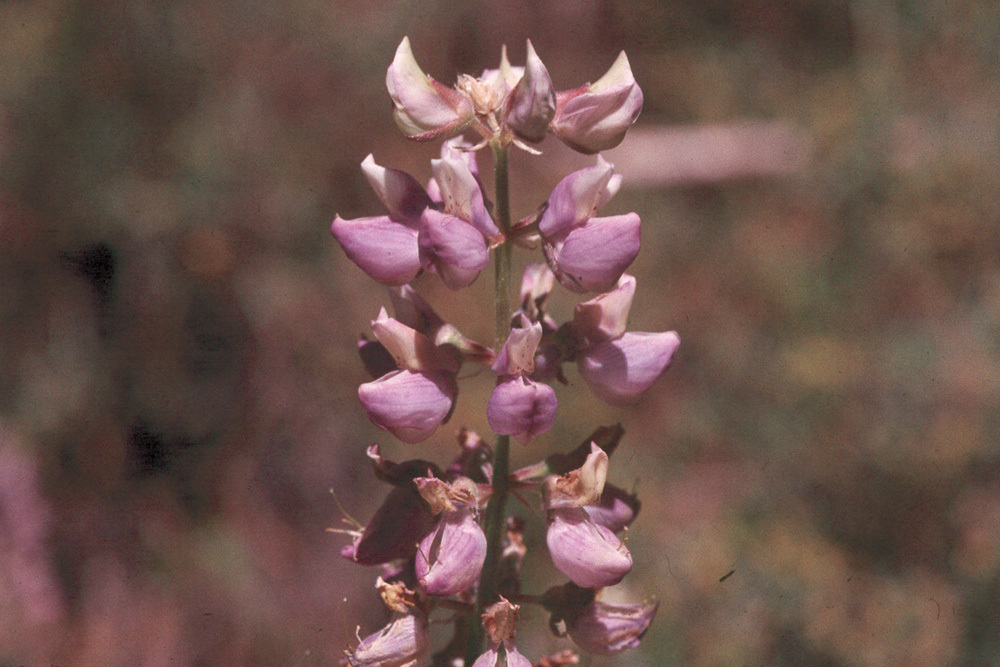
[[617, 365], [588, 254], [619, 371], [518, 102], [450, 558], [519, 406], [595, 117], [586, 552], [413, 401], [385, 247], [450, 238], [410, 405]]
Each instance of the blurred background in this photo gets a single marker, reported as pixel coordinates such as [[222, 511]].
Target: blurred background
[[818, 184]]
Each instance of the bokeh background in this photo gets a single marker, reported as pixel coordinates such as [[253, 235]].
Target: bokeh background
[[818, 184]]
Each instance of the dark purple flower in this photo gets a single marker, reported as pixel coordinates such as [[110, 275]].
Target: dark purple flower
[[399, 524]]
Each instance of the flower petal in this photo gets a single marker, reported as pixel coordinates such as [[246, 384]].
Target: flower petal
[[604, 317], [411, 349], [450, 559], [589, 554], [424, 109], [596, 118], [576, 198], [578, 487], [522, 408], [452, 248], [402, 195], [517, 355], [532, 103], [593, 256], [385, 250], [409, 405], [618, 371], [461, 194]]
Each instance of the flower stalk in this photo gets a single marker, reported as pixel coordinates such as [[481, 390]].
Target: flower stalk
[[494, 518]]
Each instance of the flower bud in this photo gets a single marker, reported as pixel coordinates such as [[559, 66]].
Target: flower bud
[[588, 553], [450, 558], [424, 109], [618, 371], [595, 118], [604, 628], [409, 405], [452, 248], [532, 103], [405, 641]]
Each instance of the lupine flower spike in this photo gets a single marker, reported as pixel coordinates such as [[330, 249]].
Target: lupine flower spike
[[446, 549]]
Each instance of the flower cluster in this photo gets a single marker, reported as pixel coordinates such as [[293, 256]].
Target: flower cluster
[[433, 537]]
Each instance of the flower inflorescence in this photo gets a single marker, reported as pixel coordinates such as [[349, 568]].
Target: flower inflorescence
[[428, 536]]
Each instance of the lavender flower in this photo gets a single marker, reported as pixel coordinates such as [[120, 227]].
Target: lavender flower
[[449, 238], [450, 558], [586, 253], [585, 551], [430, 534], [595, 117], [619, 366], [518, 405]]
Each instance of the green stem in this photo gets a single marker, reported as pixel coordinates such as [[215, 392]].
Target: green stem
[[494, 519]]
